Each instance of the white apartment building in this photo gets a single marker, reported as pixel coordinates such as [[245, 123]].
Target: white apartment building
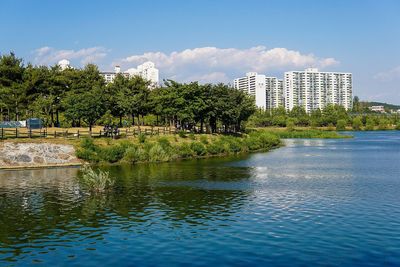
[[268, 91], [274, 91], [313, 90], [146, 70], [254, 85]]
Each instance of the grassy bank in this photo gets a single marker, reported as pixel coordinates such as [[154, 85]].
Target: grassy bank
[[168, 148], [305, 133]]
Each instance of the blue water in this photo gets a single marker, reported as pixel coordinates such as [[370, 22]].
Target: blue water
[[310, 203]]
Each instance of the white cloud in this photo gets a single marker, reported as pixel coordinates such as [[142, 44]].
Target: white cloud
[[389, 75], [50, 56], [212, 64]]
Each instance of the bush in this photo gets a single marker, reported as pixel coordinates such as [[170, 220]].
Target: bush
[[234, 144], [290, 123], [112, 153], [158, 154], [185, 151], [357, 123], [182, 134], [164, 142], [135, 154], [370, 124], [341, 125], [216, 147], [142, 138], [204, 139], [87, 143], [87, 155], [198, 148], [95, 181], [192, 137]]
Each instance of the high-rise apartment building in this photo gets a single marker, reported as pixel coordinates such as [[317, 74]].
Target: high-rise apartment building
[[254, 85], [313, 90], [268, 91], [274, 91]]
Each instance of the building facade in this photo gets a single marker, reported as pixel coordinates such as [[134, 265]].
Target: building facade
[[268, 91], [147, 71], [253, 84], [314, 90], [274, 91]]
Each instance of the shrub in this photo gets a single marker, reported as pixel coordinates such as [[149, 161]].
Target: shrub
[[198, 148], [182, 134], [95, 181], [87, 143], [185, 151], [142, 138], [398, 126], [136, 154], [87, 155], [341, 125], [112, 153], [216, 147], [290, 123], [204, 139], [164, 142], [370, 124], [157, 154], [357, 123], [234, 144], [192, 136]]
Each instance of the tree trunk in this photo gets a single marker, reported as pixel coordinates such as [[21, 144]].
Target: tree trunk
[[120, 120], [133, 119], [201, 125]]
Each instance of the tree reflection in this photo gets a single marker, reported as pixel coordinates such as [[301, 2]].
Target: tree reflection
[[40, 206]]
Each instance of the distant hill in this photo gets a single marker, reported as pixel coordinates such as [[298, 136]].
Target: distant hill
[[385, 105]]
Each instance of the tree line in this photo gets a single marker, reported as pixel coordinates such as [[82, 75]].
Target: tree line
[[332, 116], [81, 97]]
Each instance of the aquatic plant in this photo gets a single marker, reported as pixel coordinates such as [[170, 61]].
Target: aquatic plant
[[95, 181]]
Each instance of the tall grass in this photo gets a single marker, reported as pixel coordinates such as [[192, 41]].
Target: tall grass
[[95, 181]]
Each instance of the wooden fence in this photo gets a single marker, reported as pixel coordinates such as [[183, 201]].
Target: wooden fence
[[8, 133]]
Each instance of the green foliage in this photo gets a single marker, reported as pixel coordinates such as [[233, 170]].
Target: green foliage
[[217, 147], [111, 154], [204, 139], [198, 148], [142, 138], [290, 123], [306, 134], [185, 151], [357, 123], [192, 136], [182, 134], [158, 154], [341, 125], [95, 181], [370, 124]]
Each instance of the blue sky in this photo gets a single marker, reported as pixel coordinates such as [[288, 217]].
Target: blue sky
[[214, 40]]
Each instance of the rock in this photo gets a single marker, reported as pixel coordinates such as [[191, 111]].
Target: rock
[[31, 154], [23, 158]]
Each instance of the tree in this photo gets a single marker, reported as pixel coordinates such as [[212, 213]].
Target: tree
[[357, 123], [88, 106], [341, 125]]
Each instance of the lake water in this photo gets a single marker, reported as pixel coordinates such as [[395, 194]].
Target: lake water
[[313, 202]]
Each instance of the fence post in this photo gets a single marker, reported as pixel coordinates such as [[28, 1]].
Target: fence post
[[16, 132], [30, 133], [2, 133], [55, 134], [78, 133]]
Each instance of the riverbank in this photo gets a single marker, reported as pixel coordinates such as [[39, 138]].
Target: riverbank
[[43, 152]]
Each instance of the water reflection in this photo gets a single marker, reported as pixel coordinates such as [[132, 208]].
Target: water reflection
[[47, 208]]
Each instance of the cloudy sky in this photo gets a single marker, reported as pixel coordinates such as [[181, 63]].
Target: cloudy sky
[[214, 40]]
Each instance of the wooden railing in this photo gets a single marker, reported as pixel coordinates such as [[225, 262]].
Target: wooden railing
[[12, 133]]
